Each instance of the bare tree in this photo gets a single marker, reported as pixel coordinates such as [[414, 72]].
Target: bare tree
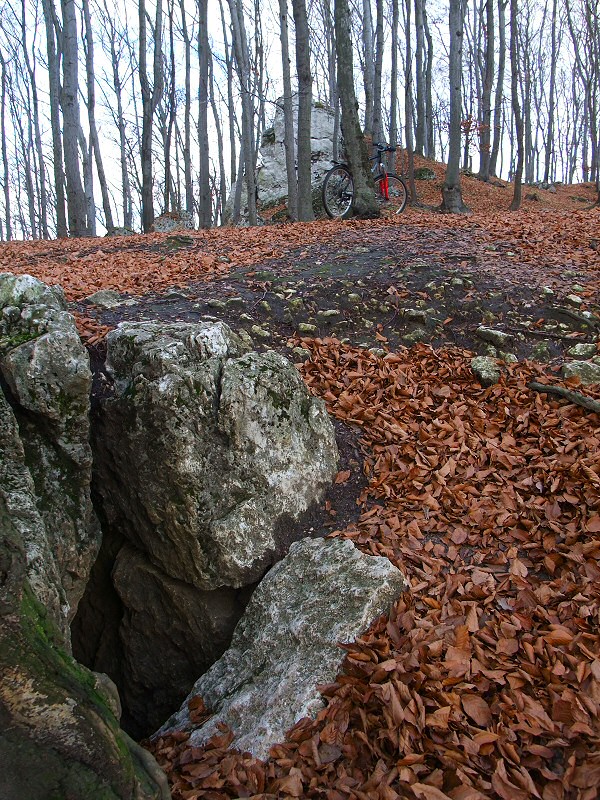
[[305, 209], [204, 193], [288, 114], [485, 116], [452, 200], [364, 201], [516, 105], [242, 62], [76, 202], [150, 98]]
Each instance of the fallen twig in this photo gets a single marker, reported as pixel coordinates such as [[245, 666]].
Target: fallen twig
[[573, 397]]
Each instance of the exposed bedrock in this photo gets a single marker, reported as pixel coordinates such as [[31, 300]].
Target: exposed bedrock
[[206, 458], [59, 728], [323, 593]]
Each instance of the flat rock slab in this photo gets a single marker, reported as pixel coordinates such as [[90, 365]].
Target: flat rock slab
[[323, 593]]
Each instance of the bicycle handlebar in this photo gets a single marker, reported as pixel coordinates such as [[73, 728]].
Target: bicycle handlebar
[[386, 148]]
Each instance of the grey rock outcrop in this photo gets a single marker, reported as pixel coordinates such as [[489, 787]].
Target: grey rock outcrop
[[59, 736], [486, 370], [207, 456], [47, 380], [213, 450], [587, 371], [271, 179], [324, 592]]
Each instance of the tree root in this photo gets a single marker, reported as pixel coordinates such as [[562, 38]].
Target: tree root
[[573, 397]]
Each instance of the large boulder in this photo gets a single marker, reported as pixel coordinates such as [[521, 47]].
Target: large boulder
[[59, 733], [271, 178], [205, 453], [46, 379], [324, 592], [206, 459]]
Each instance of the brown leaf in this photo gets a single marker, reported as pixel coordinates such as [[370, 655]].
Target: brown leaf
[[477, 709]]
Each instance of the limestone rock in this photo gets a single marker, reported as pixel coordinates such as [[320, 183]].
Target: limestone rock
[[213, 450], [206, 459], [173, 633], [495, 337], [106, 298], [59, 734], [47, 383], [173, 221], [486, 370], [586, 371], [324, 592]]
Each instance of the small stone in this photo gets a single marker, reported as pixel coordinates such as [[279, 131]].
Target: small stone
[[296, 304], [214, 303], [301, 354], [330, 313], [509, 358], [495, 337], [485, 370], [547, 291], [377, 351], [587, 371], [541, 351], [260, 332], [577, 287], [354, 298], [246, 338], [574, 300], [306, 327], [265, 306], [106, 298], [418, 335], [582, 350], [236, 302], [414, 314], [245, 318]]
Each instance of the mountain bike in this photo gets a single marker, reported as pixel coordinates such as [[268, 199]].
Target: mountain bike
[[338, 187]]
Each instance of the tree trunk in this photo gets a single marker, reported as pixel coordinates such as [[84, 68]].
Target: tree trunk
[[6, 176], [76, 202], [378, 132], [394, 85], [451, 191], [514, 88], [51, 26], [187, 113], [288, 115], [369, 72], [551, 97], [420, 77], [305, 209], [408, 107], [91, 104], [204, 197], [364, 203], [486, 98], [120, 120], [429, 131], [150, 99], [499, 87], [242, 60]]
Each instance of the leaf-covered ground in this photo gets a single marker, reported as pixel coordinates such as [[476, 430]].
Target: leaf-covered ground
[[484, 681]]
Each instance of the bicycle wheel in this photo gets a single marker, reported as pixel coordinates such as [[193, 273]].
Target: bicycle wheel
[[394, 200], [337, 192]]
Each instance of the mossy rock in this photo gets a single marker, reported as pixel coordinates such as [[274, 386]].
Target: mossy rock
[[58, 738], [424, 174]]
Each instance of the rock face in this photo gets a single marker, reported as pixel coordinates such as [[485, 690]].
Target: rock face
[[58, 734], [322, 593], [272, 175], [206, 457], [271, 179], [46, 379]]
